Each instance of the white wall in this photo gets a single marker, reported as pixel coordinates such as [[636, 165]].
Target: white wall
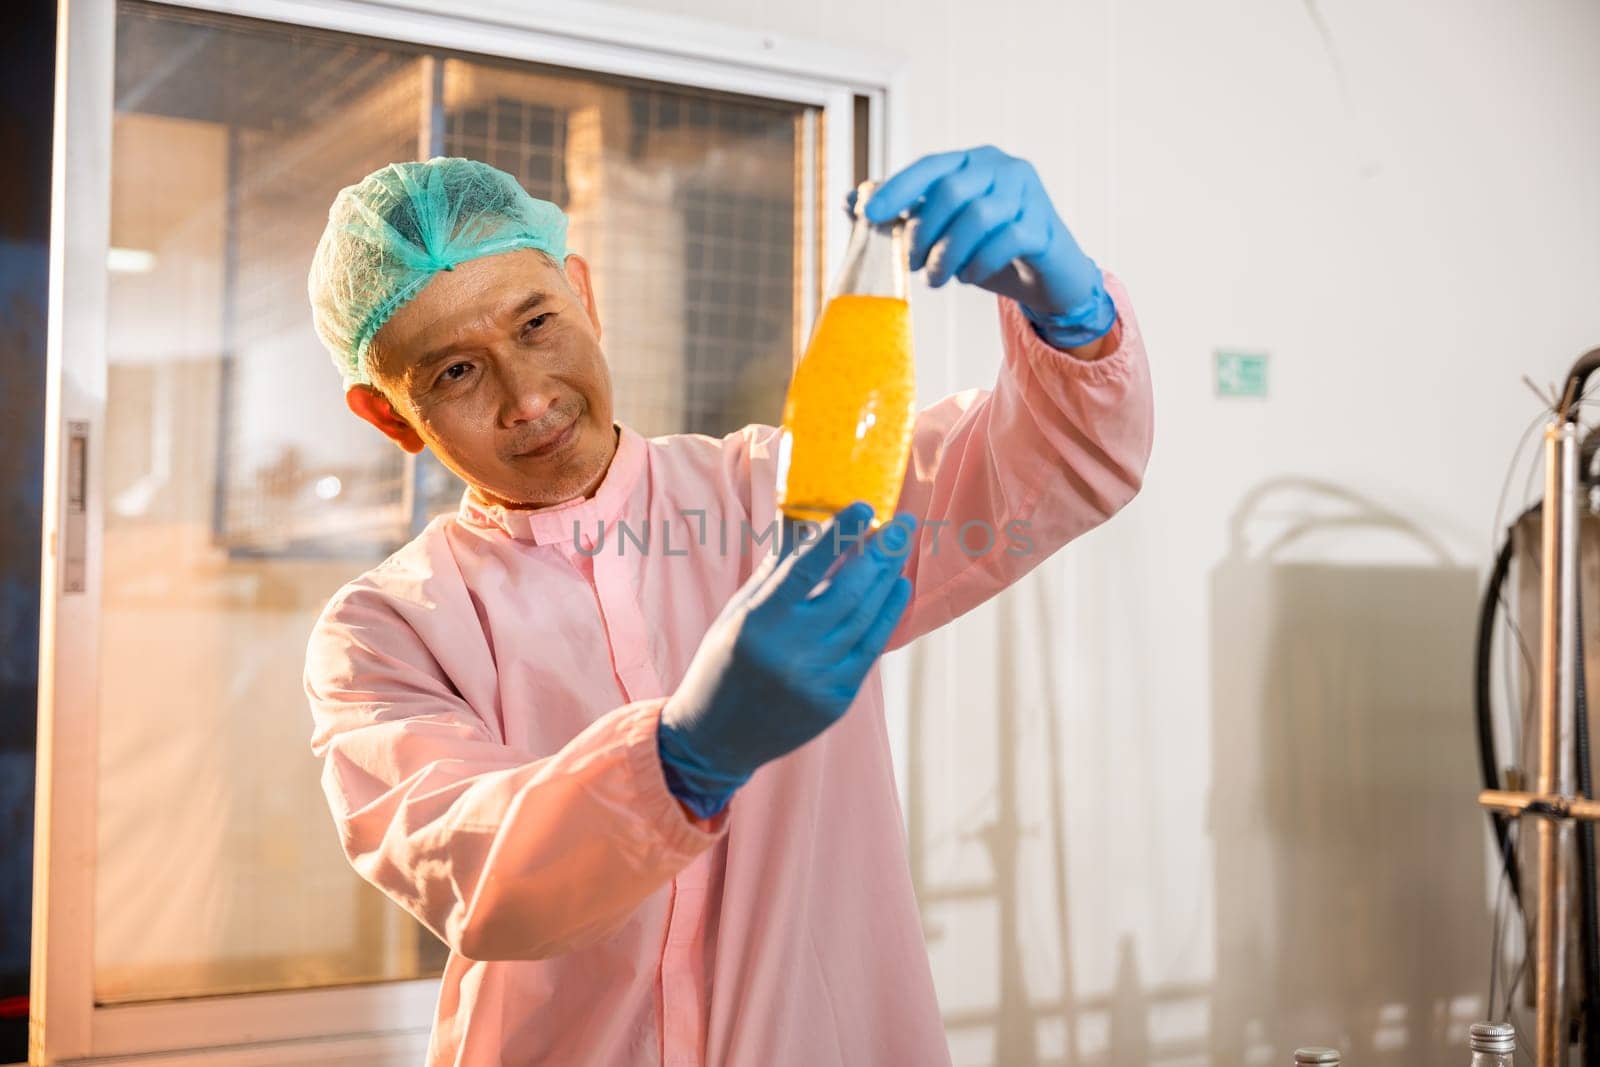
[[1195, 794]]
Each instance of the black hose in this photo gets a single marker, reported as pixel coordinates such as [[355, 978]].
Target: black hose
[[1488, 760], [1589, 923], [1577, 377]]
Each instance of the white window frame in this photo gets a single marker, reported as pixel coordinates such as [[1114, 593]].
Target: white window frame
[[386, 1022]]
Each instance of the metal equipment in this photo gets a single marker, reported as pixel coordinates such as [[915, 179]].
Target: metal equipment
[[1559, 801]]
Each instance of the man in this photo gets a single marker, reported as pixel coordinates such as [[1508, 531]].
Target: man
[[621, 783]]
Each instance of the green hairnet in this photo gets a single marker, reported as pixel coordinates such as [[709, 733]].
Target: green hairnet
[[388, 235]]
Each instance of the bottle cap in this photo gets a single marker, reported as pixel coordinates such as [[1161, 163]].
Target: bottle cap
[[1494, 1037], [1316, 1054]]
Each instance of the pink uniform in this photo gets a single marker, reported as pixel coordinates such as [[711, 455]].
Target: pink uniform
[[486, 701]]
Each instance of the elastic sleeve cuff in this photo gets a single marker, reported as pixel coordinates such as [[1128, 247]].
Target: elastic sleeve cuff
[[1118, 362], [660, 808], [704, 803]]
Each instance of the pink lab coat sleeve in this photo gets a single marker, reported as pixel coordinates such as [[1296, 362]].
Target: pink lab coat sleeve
[[501, 854], [1002, 478]]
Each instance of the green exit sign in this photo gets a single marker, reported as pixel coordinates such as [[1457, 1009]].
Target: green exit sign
[[1241, 373]]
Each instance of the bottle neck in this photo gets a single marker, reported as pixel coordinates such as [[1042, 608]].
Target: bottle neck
[[874, 261]]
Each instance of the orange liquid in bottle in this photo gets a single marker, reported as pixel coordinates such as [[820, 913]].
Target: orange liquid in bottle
[[849, 412]]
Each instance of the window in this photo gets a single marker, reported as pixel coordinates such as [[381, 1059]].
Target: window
[[242, 491], [227, 491]]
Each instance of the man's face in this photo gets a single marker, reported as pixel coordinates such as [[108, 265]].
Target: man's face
[[496, 366]]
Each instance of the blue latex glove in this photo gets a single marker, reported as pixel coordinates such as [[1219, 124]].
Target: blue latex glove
[[984, 217], [781, 664]]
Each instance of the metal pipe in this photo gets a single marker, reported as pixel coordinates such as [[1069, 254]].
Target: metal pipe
[[1556, 807], [1556, 709]]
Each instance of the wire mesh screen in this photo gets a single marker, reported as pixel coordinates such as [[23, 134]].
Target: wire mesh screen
[[685, 204], [232, 139], [282, 469], [738, 285], [520, 137]]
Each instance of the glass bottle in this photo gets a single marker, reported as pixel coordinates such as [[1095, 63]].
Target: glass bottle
[[848, 415], [1316, 1054], [1493, 1044]]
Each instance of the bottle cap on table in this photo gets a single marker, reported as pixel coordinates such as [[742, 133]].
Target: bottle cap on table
[[1494, 1037]]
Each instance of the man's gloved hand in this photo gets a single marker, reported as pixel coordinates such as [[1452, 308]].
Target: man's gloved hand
[[984, 217], [780, 665]]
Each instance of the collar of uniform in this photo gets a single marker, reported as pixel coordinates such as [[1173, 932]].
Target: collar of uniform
[[555, 524]]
